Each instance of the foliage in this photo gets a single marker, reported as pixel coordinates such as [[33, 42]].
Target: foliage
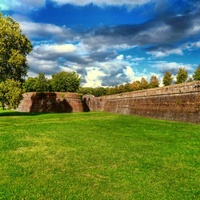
[[167, 79], [154, 82], [30, 84], [65, 82], [42, 84], [37, 84], [181, 76], [144, 83], [100, 91], [97, 156], [196, 75], [14, 47], [10, 93], [86, 90], [136, 85], [128, 87]]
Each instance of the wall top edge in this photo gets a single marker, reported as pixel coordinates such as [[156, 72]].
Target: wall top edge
[[191, 87]]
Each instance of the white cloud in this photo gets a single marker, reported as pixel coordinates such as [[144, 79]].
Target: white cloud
[[22, 5], [46, 31], [37, 65], [101, 3], [94, 77], [55, 49], [129, 73], [173, 67], [166, 52], [120, 57]]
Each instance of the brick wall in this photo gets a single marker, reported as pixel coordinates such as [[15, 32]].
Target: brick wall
[[52, 102], [179, 102]]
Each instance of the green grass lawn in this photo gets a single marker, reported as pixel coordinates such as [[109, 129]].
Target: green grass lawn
[[97, 156]]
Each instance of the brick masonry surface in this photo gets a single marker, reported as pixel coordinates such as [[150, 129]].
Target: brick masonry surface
[[52, 102], [179, 102]]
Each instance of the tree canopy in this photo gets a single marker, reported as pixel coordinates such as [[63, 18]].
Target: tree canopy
[[154, 82], [14, 47], [10, 93], [65, 82], [60, 82], [167, 79], [196, 75], [181, 76], [37, 84]]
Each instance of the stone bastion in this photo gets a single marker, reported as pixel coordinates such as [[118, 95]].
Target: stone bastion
[[180, 102], [52, 102]]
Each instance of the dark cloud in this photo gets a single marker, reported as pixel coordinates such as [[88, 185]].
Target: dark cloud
[[154, 32]]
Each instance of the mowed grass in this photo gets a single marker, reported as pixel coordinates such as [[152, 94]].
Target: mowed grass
[[97, 156]]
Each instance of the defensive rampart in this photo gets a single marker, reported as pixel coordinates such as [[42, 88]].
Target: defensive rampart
[[179, 102], [52, 102]]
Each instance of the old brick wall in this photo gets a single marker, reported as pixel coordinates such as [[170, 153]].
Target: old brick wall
[[52, 102], [177, 102]]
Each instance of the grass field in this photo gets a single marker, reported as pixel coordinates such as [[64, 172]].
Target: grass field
[[97, 156]]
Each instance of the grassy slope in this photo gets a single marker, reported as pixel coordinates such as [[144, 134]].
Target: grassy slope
[[97, 156]]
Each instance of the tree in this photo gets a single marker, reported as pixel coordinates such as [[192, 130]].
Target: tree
[[143, 83], [30, 84], [196, 75], [136, 85], [10, 93], [86, 90], [181, 76], [128, 87], [167, 79], [65, 82], [154, 82], [37, 84], [41, 84], [100, 91], [14, 47]]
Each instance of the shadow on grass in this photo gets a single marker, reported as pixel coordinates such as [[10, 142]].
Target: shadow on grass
[[7, 113]]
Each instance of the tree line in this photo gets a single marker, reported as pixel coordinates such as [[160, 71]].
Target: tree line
[[168, 79]]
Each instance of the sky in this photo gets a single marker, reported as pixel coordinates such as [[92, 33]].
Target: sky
[[109, 42]]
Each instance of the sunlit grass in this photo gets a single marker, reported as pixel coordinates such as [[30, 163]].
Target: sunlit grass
[[97, 156]]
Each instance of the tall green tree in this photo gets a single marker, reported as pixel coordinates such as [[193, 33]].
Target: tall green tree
[[37, 84], [181, 76], [196, 75], [42, 84], [30, 84], [167, 79], [65, 82], [144, 83], [100, 91], [14, 47], [10, 93], [154, 82]]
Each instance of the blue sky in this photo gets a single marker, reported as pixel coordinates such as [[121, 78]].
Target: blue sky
[[109, 42]]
